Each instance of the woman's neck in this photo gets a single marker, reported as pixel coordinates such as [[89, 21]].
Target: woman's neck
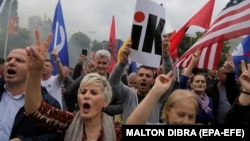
[[92, 131], [200, 94]]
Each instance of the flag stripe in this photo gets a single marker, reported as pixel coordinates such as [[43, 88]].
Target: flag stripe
[[229, 23], [207, 57], [232, 22], [218, 36], [238, 9]]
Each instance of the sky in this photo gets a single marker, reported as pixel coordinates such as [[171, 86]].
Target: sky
[[93, 17]]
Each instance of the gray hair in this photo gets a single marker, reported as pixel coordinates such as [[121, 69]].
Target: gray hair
[[132, 75], [99, 80], [103, 53]]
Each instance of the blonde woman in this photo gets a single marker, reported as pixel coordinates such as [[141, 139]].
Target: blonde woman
[[94, 94]]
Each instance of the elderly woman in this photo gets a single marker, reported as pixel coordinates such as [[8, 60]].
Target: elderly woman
[[94, 94]]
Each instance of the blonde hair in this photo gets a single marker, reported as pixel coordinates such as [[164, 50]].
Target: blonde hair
[[178, 96], [99, 80]]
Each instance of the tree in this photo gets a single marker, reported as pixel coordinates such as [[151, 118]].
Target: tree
[[77, 42], [19, 40]]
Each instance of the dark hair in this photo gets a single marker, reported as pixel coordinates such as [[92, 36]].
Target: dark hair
[[48, 60], [147, 68]]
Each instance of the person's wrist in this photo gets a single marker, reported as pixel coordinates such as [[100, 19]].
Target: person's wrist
[[57, 60]]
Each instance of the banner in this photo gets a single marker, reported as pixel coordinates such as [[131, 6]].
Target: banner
[[59, 39], [147, 30], [186, 132]]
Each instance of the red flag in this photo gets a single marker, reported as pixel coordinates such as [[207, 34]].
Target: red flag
[[202, 18], [112, 46], [233, 21], [13, 25]]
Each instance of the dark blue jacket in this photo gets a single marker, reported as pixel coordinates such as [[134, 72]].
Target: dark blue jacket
[[25, 129]]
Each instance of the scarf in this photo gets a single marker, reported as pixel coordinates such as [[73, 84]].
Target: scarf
[[75, 130], [203, 102]]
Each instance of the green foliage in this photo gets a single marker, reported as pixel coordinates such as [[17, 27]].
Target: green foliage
[[79, 40]]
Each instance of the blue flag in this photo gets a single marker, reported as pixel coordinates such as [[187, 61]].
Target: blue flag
[[119, 44], [59, 39], [241, 52], [132, 67], [2, 2]]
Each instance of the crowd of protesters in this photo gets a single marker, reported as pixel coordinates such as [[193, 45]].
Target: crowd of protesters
[[92, 104]]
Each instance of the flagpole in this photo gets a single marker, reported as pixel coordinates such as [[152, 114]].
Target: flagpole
[[7, 31], [178, 71], [91, 32]]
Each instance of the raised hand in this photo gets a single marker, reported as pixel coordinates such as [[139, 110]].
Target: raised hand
[[36, 58], [165, 45], [125, 52], [245, 77], [54, 53], [37, 53], [229, 65], [196, 56], [162, 83]]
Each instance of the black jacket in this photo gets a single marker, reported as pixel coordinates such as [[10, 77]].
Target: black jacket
[[238, 115], [232, 92]]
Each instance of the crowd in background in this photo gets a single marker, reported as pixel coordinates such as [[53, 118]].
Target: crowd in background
[[88, 103]]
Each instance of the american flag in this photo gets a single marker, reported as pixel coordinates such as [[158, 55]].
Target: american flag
[[233, 21]]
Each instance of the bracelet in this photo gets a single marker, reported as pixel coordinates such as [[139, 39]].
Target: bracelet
[[244, 92]]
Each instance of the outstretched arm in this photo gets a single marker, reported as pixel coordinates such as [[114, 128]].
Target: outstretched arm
[[141, 113], [36, 59], [193, 62], [239, 112], [61, 73], [244, 98]]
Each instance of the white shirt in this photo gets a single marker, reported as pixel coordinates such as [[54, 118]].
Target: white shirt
[[54, 88], [9, 106]]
